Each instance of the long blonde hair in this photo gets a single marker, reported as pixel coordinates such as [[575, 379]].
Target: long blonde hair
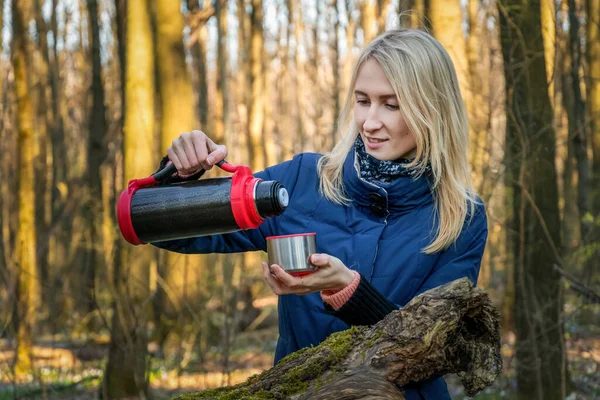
[[424, 80]]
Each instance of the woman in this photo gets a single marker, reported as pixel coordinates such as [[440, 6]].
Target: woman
[[393, 205]]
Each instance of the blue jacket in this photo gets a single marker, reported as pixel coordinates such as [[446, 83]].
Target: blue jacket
[[381, 235]]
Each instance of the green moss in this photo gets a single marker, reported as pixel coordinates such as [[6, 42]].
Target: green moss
[[227, 394], [296, 380]]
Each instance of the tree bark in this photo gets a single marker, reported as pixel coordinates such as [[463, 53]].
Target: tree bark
[[222, 94], [96, 155], [335, 61], [26, 267], [298, 136], [382, 8], [532, 178], [125, 374], [446, 20], [593, 104], [177, 115], [450, 329], [368, 20], [256, 105], [43, 166], [198, 52], [575, 107]]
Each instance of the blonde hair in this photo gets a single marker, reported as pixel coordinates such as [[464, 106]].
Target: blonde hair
[[424, 80]]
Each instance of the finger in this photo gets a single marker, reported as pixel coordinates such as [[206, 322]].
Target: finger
[[320, 260], [190, 151], [174, 159], [288, 280], [178, 147], [275, 285], [217, 152], [199, 139]]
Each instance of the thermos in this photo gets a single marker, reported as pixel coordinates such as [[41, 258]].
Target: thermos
[[150, 213]]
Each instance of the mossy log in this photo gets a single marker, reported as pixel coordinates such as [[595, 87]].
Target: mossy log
[[450, 329]]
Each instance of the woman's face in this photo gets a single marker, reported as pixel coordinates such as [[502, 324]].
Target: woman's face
[[381, 124]]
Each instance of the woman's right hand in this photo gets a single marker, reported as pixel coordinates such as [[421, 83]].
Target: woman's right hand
[[192, 151]]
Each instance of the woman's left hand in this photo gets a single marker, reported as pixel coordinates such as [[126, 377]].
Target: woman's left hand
[[331, 274]]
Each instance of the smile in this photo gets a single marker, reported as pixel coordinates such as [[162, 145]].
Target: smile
[[373, 140]]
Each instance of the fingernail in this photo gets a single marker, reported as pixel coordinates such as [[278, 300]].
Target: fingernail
[[209, 160], [315, 258]]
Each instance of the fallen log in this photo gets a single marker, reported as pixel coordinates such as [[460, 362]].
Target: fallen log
[[453, 328]]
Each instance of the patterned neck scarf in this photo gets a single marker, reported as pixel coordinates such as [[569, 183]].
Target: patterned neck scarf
[[381, 172]]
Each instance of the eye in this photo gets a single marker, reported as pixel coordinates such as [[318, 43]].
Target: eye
[[392, 107], [362, 101]]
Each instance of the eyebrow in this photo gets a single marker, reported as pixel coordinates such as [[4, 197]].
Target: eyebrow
[[383, 96]]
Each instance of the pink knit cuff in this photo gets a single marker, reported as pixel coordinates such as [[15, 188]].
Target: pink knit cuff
[[339, 298], [183, 176]]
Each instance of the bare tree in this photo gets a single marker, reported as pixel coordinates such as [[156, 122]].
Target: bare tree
[[26, 267], [531, 174], [256, 106], [125, 374]]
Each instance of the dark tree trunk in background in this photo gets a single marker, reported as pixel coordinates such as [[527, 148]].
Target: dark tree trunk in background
[[593, 103], [221, 101], [575, 107], [530, 145], [198, 52], [96, 156], [121, 33]]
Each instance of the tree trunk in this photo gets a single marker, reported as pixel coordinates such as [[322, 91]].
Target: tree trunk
[[96, 156], [256, 104], [368, 20], [198, 51], [335, 60], [593, 104], [177, 116], [315, 137], [532, 177], [575, 107], [382, 8], [125, 374], [450, 329], [221, 114], [43, 165], [478, 59], [446, 20], [298, 137], [548, 24], [26, 267]]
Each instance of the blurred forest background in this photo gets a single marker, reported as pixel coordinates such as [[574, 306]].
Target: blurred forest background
[[94, 91]]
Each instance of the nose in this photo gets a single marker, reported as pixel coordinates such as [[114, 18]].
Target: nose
[[372, 122]]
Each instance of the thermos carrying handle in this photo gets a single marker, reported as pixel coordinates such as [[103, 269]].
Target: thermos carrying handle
[[242, 191], [171, 169]]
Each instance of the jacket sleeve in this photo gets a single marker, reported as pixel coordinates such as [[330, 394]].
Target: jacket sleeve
[[287, 174], [367, 305]]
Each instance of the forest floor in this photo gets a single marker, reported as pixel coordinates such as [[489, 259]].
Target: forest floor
[[71, 370]]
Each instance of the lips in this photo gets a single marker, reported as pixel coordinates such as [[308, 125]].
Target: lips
[[374, 143], [375, 140]]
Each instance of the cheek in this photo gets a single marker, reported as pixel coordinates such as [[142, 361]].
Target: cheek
[[399, 127], [359, 116]]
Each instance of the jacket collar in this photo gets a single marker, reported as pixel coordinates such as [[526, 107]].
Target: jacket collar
[[401, 195]]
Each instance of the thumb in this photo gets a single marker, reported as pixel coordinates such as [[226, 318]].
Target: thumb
[[320, 260]]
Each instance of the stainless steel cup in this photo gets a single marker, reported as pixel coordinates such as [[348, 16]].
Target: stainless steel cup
[[292, 252]]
